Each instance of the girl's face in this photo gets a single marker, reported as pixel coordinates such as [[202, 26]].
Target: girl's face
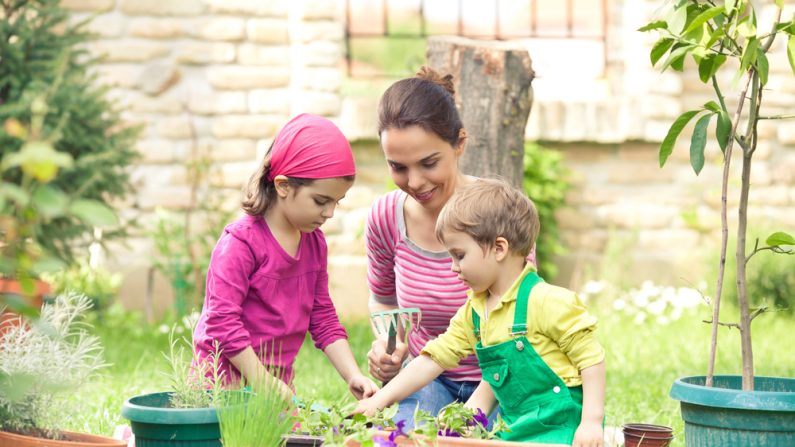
[[307, 207], [477, 267], [422, 164]]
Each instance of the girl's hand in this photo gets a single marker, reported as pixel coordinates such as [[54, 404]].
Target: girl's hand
[[361, 387], [589, 434], [383, 366]]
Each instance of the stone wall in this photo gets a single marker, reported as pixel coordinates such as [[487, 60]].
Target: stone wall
[[218, 77]]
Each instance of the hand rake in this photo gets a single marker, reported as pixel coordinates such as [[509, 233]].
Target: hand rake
[[389, 321]]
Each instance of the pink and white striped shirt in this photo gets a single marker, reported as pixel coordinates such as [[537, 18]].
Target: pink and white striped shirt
[[401, 273]]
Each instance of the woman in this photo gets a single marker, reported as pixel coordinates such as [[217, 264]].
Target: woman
[[423, 138]]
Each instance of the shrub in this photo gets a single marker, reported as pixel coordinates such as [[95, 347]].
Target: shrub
[[545, 182], [42, 56]]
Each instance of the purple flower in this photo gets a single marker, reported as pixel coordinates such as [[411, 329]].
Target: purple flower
[[398, 430], [450, 433], [480, 418], [382, 442]]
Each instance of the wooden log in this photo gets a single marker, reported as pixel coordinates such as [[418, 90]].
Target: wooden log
[[493, 93]]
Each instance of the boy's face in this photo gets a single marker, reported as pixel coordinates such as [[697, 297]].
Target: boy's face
[[476, 267]]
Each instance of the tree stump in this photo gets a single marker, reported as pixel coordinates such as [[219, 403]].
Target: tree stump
[[493, 93]]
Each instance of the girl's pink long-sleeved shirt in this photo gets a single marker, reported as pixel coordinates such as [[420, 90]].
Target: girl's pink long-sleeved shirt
[[260, 296]]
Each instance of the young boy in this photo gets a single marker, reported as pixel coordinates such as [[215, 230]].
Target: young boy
[[535, 342]]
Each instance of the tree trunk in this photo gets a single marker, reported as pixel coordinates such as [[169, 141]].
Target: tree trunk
[[494, 94]]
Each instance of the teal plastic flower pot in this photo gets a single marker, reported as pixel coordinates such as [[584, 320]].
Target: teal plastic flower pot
[[154, 424], [726, 416]]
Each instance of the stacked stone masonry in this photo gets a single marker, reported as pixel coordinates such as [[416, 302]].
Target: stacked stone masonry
[[217, 78]]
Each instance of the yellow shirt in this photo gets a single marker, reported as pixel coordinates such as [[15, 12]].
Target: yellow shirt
[[559, 328]]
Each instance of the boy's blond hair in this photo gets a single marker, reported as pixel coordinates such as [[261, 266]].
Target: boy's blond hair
[[490, 208]]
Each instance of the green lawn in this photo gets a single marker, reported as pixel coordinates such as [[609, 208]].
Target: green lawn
[[642, 362]]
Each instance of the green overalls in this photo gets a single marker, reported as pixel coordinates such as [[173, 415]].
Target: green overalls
[[534, 401]]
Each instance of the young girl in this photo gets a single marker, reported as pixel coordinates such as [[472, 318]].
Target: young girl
[[267, 283]]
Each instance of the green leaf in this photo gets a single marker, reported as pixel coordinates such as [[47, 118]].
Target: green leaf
[[15, 193], [676, 21], [667, 145], [705, 68], [677, 57], [780, 3], [712, 106], [703, 18], [47, 265], [39, 160], [660, 48], [697, 142], [723, 129], [762, 67], [49, 201], [93, 213], [780, 238], [729, 6], [659, 24], [749, 54], [791, 52], [717, 34], [747, 29]]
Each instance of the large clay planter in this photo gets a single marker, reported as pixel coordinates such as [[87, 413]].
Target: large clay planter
[[71, 439], [726, 416]]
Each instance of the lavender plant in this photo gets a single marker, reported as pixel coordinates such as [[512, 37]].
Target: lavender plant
[[41, 361]]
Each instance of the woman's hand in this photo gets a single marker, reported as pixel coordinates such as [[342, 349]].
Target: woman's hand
[[383, 366], [361, 387]]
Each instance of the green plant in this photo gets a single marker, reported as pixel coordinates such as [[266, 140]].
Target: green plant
[[255, 419], [194, 384], [64, 167], [545, 181], [41, 362], [183, 250], [457, 420], [712, 33], [97, 283]]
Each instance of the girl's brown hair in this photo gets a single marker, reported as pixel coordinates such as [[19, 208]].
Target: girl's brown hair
[[426, 100]]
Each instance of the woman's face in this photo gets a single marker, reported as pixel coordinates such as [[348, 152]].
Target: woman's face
[[422, 164]]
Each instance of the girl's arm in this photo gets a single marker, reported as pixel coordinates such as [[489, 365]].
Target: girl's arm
[[341, 357], [483, 398], [590, 431], [418, 373], [256, 374]]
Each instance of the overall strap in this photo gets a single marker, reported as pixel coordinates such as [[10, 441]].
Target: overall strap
[[520, 313]]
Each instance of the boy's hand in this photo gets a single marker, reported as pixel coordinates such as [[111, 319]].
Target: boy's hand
[[383, 366], [589, 434], [368, 407], [361, 387]]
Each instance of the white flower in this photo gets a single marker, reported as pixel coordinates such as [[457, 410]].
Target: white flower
[[594, 287], [163, 328], [656, 307], [640, 318], [662, 319], [619, 304], [640, 298]]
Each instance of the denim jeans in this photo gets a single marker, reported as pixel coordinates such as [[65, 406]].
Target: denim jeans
[[435, 396]]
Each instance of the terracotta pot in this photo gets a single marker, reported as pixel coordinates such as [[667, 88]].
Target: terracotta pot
[[445, 441], [71, 439], [647, 435]]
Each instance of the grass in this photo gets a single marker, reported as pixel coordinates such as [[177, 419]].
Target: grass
[[642, 363]]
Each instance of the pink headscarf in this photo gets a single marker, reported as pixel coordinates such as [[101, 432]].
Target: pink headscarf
[[311, 146]]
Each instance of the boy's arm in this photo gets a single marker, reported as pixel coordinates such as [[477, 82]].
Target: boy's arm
[[341, 357], [590, 432], [418, 373], [483, 398]]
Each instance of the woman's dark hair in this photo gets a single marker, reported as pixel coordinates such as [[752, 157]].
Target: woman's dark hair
[[260, 193], [426, 100]]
